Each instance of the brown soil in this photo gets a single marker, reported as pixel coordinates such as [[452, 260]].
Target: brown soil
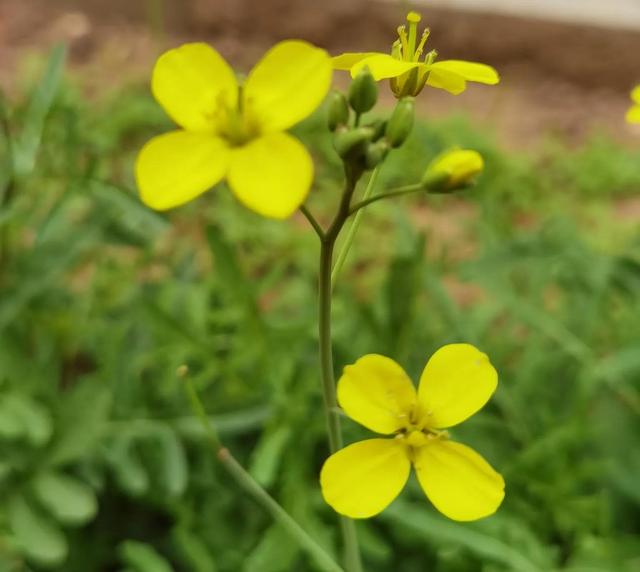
[[558, 78]]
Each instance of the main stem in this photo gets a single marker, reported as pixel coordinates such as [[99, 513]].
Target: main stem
[[327, 244]]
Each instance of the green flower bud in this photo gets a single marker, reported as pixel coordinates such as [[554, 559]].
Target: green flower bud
[[379, 127], [352, 142], [401, 122], [376, 153], [452, 171], [363, 92], [338, 110]]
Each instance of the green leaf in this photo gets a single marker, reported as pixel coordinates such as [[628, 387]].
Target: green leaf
[[437, 530], [38, 538], [266, 458], [173, 471], [274, 553], [68, 500], [193, 550], [36, 419], [79, 427], [127, 467], [142, 557], [26, 146]]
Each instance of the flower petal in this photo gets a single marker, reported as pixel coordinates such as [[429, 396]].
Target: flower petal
[[384, 66], [458, 481], [287, 85], [445, 79], [635, 94], [271, 175], [348, 60], [452, 75], [194, 85], [176, 167], [633, 115], [470, 71], [377, 393], [362, 479], [456, 382]]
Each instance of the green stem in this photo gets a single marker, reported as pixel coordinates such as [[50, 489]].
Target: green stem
[[8, 192], [388, 195], [312, 221], [262, 497], [353, 229], [327, 244]]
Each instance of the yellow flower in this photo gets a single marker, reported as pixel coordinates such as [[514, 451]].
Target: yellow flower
[[633, 115], [456, 168], [408, 74], [234, 131], [362, 479]]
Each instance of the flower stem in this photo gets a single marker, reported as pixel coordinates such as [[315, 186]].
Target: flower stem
[[262, 497], [327, 244], [406, 190], [351, 233]]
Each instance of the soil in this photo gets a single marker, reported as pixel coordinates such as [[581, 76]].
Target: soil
[[557, 78]]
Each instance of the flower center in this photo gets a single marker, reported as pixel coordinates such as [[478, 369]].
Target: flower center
[[416, 433], [404, 48], [236, 126]]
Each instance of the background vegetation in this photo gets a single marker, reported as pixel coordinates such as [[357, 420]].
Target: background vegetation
[[103, 467]]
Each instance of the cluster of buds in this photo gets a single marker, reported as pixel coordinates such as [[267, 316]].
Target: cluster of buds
[[366, 146]]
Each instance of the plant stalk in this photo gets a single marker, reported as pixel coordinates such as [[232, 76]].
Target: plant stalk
[[353, 229], [327, 244], [248, 483]]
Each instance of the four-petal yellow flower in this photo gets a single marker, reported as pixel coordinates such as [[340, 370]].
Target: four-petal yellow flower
[[234, 131], [633, 115], [362, 479], [408, 74]]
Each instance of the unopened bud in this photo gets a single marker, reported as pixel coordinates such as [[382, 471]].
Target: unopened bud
[[363, 92], [376, 153], [338, 110], [401, 122], [379, 127], [352, 141], [452, 171]]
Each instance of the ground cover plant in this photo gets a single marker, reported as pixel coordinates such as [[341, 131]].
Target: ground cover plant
[[105, 467]]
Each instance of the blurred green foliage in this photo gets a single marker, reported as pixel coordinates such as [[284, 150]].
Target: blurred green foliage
[[102, 465]]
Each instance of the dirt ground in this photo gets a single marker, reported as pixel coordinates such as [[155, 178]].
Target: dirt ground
[[556, 78]]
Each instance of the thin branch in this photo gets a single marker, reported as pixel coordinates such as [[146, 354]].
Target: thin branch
[[415, 188], [313, 221]]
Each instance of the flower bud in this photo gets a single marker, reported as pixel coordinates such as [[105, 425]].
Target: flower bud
[[452, 171], [401, 122], [379, 127], [376, 153], [338, 110], [350, 142], [363, 92]]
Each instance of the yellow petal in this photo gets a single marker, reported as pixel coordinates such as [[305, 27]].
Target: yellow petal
[[635, 94], [383, 66], [458, 481], [287, 85], [271, 175], [377, 393], [447, 80], [469, 71], [452, 75], [350, 59], [456, 382], [633, 115], [194, 85], [176, 167], [363, 479]]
